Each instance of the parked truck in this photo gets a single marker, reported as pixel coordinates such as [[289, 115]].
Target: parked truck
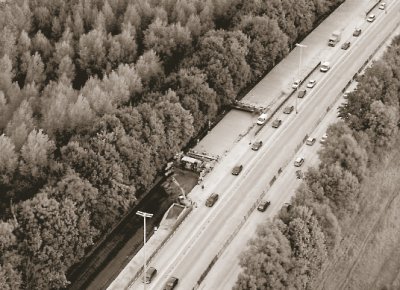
[[335, 38]]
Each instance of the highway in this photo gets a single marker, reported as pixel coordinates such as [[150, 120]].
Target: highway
[[197, 241]]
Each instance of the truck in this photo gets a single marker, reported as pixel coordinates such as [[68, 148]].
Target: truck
[[335, 38]]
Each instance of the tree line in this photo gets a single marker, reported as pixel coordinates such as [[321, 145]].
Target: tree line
[[288, 251], [96, 96]]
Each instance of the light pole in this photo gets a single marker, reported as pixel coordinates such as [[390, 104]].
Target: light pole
[[298, 72], [144, 215]]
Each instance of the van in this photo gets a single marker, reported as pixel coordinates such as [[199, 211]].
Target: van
[[262, 119]]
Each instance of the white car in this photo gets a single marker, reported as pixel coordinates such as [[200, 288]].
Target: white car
[[261, 120], [311, 84], [296, 84], [382, 6], [346, 94], [299, 162], [323, 139], [371, 18]]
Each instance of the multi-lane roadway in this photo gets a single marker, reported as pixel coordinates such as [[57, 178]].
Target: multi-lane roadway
[[195, 244]]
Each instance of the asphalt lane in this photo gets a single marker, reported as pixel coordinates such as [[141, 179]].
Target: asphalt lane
[[200, 238]]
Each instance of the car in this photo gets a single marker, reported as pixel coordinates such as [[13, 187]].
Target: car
[[276, 123], [357, 32], [212, 199], [256, 145], [150, 273], [299, 161], [325, 66], [288, 109], [262, 119], [171, 283], [311, 83], [310, 141], [323, 139], [263, 206], [346, 45], [382, 6], [371, 18], [237, 169], [296, 84], [301, 94], [346, 94]]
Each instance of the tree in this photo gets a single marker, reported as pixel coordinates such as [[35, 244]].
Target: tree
[[266, 260], [307, 242], [265, 50], [123, 47], [342, 148], [6, 73], [132, 79], [99, 100], [8, 162], [222, 56], [150, 70], [55, 117], [92, 52], [21, 124], [177, 122], [34, 69], [383, 125], [116, 88], [341, 187], [7, 43], [168, 41], [37, 164], [52, 240], [10, 277], [195, 95], [80, 114]]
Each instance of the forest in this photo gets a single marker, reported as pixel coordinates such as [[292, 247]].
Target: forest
[[97, 95], [289, 251]]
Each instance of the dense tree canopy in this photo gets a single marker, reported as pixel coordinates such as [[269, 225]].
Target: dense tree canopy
[[97, 96]]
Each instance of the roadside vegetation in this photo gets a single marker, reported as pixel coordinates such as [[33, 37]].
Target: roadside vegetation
[[355, 182], [96, 96]]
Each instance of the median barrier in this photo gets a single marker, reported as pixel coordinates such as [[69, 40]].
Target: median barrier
[[272, 180], [372, 8]]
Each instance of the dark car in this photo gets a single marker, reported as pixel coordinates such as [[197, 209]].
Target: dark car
[[212, 199], [256, 145], [346, 45], [276, 123], [237, 169], [171, 283], [299, 174], [357, 32], [150, 273], [288, 109], [301, 94], [263, 206]]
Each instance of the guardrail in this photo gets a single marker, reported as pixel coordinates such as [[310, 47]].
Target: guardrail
[[176, 225]]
